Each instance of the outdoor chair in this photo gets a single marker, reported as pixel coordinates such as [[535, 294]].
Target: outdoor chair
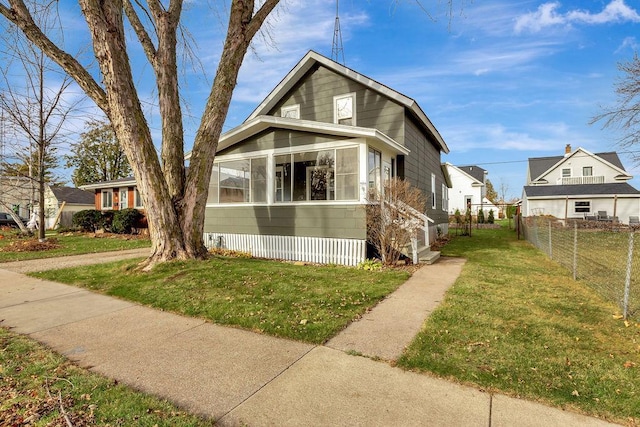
[[634, 222], [602, 216]]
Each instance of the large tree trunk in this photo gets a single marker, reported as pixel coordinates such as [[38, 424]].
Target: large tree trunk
[[175, 203], [106, 21]]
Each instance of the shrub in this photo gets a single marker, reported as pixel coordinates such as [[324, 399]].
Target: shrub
[[491, 219], [87, 220], [124, 220], [481, 216], [391, 219], [370, 265]]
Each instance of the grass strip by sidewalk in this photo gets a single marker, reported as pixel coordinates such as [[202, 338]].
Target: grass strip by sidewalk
[[307, 303], [516, 322], [76, 244], [41, 388]]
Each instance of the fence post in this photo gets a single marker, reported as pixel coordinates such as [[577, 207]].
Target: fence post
[[550, 243], [627, 281], [575, 250]]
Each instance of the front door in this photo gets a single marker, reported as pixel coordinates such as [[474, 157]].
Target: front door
[[123, 199]]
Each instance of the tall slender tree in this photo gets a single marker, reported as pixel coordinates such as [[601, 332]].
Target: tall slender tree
[[174, 198], [35, 108]]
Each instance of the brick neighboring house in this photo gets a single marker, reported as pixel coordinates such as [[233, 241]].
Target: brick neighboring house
[[115, 195]]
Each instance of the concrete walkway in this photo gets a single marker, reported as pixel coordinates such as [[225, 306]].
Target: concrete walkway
[[241, 378]]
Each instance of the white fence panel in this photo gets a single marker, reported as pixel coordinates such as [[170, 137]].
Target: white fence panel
[[292, 248]]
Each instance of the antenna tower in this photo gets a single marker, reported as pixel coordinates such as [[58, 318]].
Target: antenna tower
[[337, 51]]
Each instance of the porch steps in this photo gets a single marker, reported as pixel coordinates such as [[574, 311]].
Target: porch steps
[[425, 255], [429, 257]]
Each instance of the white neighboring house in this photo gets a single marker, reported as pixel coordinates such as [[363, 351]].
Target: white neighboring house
[[468, 186], [580, 185]]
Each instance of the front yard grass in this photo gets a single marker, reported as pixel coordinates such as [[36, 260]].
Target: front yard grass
[[516, 322], [307, 303], [40, 388], [11, 247]]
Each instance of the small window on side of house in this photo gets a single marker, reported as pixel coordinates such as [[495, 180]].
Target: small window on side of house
[[433, 191], [566, 172], [107, 199], [344, 109], [290, 111], [582, 206], [587, 171]]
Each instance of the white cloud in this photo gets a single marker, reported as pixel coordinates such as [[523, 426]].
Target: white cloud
[[628, 43], [548, 15]]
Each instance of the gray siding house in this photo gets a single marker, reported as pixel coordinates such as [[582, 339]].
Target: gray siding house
[[291, 181]]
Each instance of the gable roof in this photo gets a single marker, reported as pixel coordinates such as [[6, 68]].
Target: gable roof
[[74, 196], [539, 166], [311, 59], [614, 188], [474, 171]]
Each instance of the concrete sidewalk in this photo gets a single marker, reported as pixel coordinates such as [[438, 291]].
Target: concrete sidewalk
[[241, 378]]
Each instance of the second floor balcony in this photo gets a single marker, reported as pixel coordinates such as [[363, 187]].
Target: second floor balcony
[[577, 180]]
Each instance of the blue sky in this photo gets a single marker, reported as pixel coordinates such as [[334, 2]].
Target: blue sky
[[501, 80]]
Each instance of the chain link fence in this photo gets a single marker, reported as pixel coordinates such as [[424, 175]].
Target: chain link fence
[[605, 256]]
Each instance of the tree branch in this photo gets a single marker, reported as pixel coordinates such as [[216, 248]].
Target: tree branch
[[20, 16]]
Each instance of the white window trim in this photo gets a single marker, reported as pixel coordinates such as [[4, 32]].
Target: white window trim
[[136, 196], [336, 98], [562, 173], [285, 111], [102, 205]]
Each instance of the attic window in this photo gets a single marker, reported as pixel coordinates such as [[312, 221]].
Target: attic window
[[566, 173], [290, 111], [587, 171], [344, 109]]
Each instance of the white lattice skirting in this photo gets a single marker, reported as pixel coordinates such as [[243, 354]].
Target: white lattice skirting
[[292, 248]]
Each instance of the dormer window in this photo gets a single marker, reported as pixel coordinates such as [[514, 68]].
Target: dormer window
[[587, 171], [344, 109], [290, 111]]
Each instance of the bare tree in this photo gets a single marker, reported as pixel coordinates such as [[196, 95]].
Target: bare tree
[[624, 115], [36, 110], [174, 198], [393, 218]]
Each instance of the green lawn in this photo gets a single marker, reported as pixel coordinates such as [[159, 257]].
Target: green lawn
[[516, 322], [36, 383], [307, 303], [72, 244]]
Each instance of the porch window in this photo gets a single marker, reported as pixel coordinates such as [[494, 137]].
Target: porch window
[[347, 174], [107, 199], [259, 180], [235, 178], [374, 160], [582, 206], [344, 109]]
